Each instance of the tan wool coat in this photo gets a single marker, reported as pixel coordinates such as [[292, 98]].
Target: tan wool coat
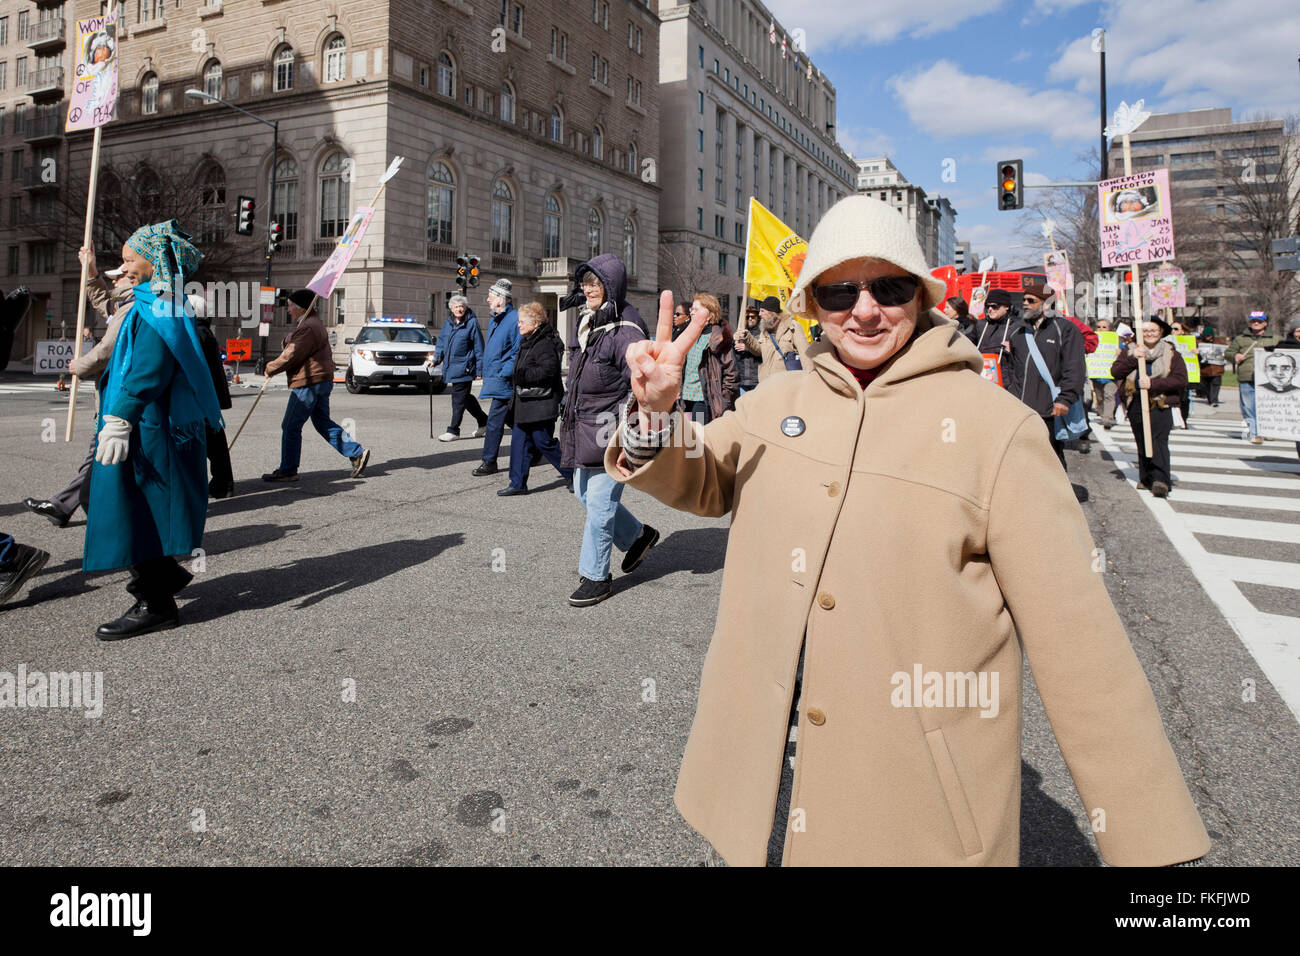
[[789, 336], [924, 526]]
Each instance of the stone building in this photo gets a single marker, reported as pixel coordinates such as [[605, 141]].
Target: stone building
[[933, 219], [526, 128], [747, 114], [35, 51]]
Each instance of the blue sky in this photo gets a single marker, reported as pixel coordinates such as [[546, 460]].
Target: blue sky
[[977, 81]]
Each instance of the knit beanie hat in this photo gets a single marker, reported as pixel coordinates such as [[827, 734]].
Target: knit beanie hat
[[998, 297], [503, 288], [771, 303], [860, 227], [302, 298]]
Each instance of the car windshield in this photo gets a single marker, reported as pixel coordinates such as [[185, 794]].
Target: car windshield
[[394, 333]]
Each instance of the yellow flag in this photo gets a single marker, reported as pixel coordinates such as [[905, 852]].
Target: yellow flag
[[774, 257]]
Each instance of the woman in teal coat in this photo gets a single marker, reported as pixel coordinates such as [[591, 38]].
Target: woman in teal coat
[[148, 486]]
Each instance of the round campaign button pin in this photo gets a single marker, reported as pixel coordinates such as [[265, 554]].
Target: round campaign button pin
[[792, 426]]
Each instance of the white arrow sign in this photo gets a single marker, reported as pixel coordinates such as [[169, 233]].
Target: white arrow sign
[[392, 170]]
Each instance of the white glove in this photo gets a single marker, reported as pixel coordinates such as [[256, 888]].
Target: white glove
[[114, 441]]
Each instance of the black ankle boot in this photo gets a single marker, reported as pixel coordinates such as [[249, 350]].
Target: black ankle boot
[[144, 617]]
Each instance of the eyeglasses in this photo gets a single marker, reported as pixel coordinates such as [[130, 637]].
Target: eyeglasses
[[887, 291], [1032, 300], [681, 312]]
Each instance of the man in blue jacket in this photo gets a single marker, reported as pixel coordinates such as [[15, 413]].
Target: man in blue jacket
[[499, 354], [460, 349]]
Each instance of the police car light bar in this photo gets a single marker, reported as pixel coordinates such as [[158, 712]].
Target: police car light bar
[[393, 320]]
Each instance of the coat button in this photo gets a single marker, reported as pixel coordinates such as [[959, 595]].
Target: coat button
[[833, 489], [826, 600], [816, 717]]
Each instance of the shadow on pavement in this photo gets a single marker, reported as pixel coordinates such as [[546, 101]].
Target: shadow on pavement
[[697, 550], [311, 579], [1048, 834]]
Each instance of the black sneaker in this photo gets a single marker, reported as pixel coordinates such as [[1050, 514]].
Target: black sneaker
[[510, 490], [279, 475], [142, 618], [485, 468], [1085, 446], [25, 562], [1159, 489], [591, 592], [48, 509], [359, 463], [636, 554]]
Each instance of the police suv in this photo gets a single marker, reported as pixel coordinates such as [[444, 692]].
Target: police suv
[[392, 351]]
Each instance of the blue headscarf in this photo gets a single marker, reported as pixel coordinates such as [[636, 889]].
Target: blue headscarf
[[169, 249]]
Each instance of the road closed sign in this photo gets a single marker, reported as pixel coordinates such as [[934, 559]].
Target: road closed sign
[[52, 358], [239, 350]]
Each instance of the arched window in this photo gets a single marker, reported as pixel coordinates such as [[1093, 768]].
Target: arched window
[[597, 142], [595, 224], [283, 68], [212, 78], [557, 125], [633, 161], [149, 94], [507, 103], [212, 205], [148, 189], [503, 218], [336, 59], [334, 209], [440, 204], [446, 74], [284, 207], [629, 245], [551, 224]]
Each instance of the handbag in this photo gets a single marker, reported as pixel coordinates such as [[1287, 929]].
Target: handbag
[[1075, 421], [791, 359]]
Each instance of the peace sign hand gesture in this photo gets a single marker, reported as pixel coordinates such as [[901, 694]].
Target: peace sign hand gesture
[[656, 366]]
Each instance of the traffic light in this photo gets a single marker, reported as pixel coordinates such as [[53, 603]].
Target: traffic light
[[1011, 190], [274, 233], [247, 211], [473, 271], [462, 273]]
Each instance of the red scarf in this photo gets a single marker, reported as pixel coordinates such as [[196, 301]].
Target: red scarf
[[865, 376]]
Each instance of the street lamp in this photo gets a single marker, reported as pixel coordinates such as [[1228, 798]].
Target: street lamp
[[270, 206]]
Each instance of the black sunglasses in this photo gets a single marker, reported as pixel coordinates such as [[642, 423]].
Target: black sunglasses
[[887, 290]]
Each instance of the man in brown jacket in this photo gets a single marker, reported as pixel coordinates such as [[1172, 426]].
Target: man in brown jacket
[[781, 336], [914, 532], [309, 363]]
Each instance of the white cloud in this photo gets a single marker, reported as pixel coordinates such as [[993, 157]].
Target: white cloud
[[830, 23], [1022, 55], [860, 142], [1058, 6], [946, 102], [1194, 52]]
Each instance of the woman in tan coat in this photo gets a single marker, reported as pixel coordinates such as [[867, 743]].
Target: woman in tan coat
[[913, 531]]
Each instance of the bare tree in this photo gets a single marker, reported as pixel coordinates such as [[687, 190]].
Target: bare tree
[[1073, 211], [149, 191], [680, 270], [1261, 203]]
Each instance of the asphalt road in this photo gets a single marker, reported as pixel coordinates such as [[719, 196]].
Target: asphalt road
[[230, 740]]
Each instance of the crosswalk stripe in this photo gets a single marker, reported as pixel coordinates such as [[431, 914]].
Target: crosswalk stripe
[[1270, 502], [1235, 451], [1277, 574], [1228, 464], [1235, 481], [1244, 528]]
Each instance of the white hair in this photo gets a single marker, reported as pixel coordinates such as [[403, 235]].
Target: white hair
[[458, 298]]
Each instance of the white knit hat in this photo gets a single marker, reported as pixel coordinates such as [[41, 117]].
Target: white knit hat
[[859, 227]]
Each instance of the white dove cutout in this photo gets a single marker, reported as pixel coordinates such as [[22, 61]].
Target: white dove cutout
[[1126, 120], [1048, 227]]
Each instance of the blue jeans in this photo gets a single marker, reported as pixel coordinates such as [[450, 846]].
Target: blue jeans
[[608, 522], [1247, 398], [537, 436], [6, 550], [312, 401], [496, 427]]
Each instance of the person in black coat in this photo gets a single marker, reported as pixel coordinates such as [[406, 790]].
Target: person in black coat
[[535, 404], [222, 484]]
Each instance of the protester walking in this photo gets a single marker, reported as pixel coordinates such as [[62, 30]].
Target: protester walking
[[1052, 355], [499, 351], [832, 466], [460, 350], [956, 308], [308, 361], [782, 342], [222, 484], [749, 354], [112, 305], [1184, 404], [598, 377], [537, 385], [995, 336], [1103, 389], [1211, 353], [1158, 365], [1242, 352], [709, 381], [148, 486]]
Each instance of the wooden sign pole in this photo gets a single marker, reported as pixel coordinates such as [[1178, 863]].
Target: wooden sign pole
[[81, 297], [1136, 289]]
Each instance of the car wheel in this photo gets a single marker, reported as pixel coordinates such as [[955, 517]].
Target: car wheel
[[351, 383]]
